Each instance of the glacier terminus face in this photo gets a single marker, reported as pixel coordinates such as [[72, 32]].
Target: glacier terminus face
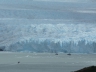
[[48, 26]]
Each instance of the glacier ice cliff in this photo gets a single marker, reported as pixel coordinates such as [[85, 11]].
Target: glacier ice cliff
[[48, 26], [75, 38]]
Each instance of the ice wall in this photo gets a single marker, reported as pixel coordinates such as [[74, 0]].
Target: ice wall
[[75, 38], [53, 47], [48, 25]]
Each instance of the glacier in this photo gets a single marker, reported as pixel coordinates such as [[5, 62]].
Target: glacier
[[48, 26], [49, 37]]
